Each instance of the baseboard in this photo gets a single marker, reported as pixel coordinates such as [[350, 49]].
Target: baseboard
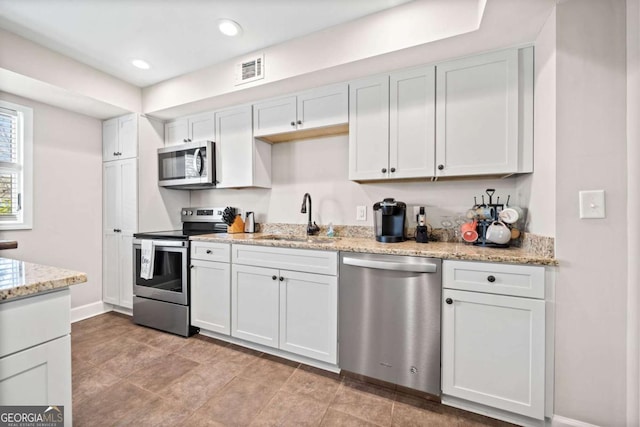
[[89, 310], [560, 421]]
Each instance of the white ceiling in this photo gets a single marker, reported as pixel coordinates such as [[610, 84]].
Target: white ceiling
[[174, 36]]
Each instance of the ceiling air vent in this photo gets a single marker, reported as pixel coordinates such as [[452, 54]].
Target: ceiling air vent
[[250, 70]]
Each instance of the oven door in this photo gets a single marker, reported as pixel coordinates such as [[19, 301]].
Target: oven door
[[170, 281]]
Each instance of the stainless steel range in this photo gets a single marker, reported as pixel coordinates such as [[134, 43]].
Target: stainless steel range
[[161, 294]]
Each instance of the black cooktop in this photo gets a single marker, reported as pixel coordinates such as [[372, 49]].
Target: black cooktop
[[189, 229]]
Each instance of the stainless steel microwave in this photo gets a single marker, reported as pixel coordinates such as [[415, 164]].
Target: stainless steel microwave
[[187, 166]]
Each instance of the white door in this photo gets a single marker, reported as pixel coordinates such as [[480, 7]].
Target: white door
[[255, 304], [128, 194], [477, 115], [128, 136], [202, 127], [369, 128], [211, 296], [412, 123], [109, 139], [274, 116], [493, 349], [176, 132], [126, 279], [326, 106], [234, 148], [309, 315], [40, 375], [111, 267]]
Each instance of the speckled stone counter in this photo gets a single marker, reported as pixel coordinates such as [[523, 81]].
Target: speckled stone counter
[[20, 279], [460, 251]]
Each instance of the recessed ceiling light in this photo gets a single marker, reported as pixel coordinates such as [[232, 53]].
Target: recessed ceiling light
[[143, 65], [229, 28]]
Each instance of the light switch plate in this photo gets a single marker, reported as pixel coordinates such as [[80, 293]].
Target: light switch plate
[[592, 204], [361, 213]]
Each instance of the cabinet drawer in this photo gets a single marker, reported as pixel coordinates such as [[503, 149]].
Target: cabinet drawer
[[208, 251], [305, 260], [46, 317], [503, 279]]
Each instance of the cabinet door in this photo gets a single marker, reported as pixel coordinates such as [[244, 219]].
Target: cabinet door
[[255, 304], [274, 116], [128, 136], [111, 267], [109, 139], [493, 351], [234, 148], [176, 132], [369, 128], [128, 195], [125, 280], [309, 315], [211, 296], [40, 375], [477, 115], [412, 123], [326, 106], [202, 127], [111, 182]]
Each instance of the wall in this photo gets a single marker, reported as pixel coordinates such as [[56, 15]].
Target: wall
[[67, 223], [538, 190], [320, 167], [590, 380], [34, 71], [633, 211]]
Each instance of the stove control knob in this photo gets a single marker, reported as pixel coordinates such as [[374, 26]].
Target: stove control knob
[[190, 212], [184, 212]]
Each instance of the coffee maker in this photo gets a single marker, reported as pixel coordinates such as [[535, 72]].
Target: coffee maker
[[389, 219]]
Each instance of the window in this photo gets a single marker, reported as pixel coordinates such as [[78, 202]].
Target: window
[[16, 145]]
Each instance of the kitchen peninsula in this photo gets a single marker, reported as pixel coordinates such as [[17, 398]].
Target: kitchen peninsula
[[35, 327]]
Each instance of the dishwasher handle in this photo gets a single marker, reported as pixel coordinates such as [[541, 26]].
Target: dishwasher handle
[[395, 266]]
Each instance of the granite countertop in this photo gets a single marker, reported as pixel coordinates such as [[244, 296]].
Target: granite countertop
[[443, 250], [20, 279]]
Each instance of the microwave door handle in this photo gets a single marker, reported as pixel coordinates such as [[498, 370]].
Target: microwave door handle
[[197, 155]]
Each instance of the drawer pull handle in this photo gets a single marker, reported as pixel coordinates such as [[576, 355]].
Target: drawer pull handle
[[209, 251], [449, 301], [491, 279], [274, 277]]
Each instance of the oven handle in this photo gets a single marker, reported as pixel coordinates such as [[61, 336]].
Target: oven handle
[[164, 243]]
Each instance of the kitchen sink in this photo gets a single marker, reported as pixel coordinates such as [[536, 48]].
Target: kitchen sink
[[305, 239]]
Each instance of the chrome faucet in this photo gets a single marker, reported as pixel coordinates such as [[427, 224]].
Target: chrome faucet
[[311, 228]]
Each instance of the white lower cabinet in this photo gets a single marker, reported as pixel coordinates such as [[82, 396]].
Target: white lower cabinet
[[254, 304], [35, 367], [295, 311], [211, 287], [493, 346]]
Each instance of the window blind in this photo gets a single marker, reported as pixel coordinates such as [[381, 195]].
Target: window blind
[[10, 166]]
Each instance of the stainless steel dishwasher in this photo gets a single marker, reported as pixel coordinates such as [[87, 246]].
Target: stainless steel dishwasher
[[389, 319]]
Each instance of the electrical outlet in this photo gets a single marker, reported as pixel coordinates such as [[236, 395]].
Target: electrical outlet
[[592, 204], [361, 213]]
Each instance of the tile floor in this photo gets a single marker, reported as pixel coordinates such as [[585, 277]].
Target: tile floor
[[124, 374]]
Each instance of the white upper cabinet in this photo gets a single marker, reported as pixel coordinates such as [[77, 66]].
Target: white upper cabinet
[[484, 114], [241, 160], [412, 123], [369, 128], [120, 138], [391, 127], [321, 111], [199, 127]]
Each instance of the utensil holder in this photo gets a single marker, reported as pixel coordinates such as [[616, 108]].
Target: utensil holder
[[237, 226]]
